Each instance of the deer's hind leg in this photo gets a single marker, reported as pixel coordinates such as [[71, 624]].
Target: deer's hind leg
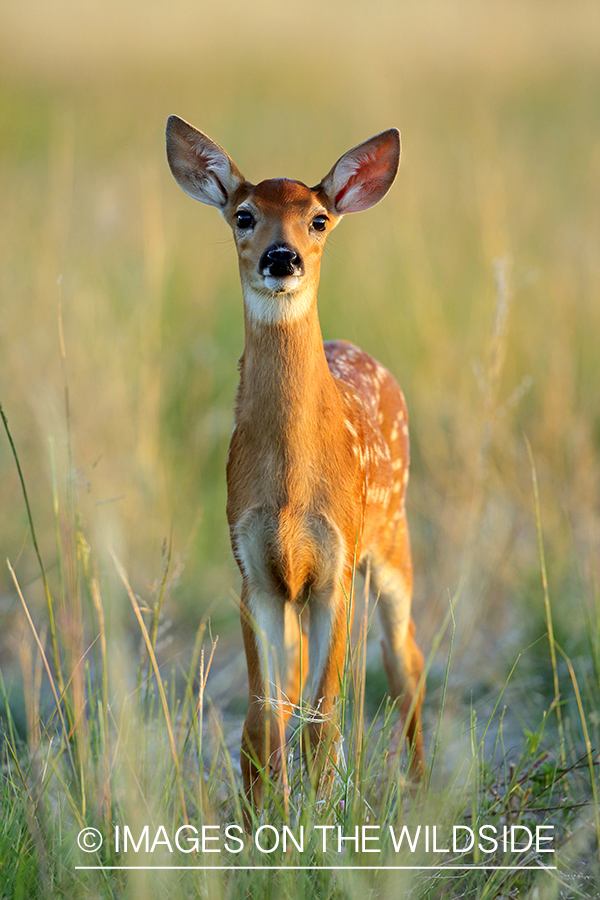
[[392, 584]]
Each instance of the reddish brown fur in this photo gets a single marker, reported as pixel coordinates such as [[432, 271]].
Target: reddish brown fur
[[318, 461]]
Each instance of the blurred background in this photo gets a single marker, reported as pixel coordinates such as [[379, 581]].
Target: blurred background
[[476, 282]]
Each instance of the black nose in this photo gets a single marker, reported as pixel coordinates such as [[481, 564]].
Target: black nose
[[282, 254], [279, 260]]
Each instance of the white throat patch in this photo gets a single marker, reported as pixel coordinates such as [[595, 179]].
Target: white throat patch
[[277, 308]]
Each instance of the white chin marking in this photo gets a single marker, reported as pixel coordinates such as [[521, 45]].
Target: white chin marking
[[282, 285], [278, 304]]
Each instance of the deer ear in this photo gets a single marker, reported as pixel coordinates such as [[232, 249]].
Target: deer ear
[[363, 176], [200, 167]]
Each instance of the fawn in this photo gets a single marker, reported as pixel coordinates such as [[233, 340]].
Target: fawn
[[318, 461]]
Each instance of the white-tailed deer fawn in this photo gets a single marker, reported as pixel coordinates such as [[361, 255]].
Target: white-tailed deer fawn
[[318, 460]]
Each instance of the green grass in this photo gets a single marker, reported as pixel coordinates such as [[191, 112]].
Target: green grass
[[126, 747], [122, 428]]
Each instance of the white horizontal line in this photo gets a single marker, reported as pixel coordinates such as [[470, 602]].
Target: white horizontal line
[[309, 868]]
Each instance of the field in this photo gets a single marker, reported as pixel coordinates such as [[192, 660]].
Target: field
[[476, 282]]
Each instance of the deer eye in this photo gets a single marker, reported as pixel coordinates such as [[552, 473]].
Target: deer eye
[[245, 220], [319, 223]]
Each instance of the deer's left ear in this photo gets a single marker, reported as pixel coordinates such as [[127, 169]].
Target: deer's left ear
[[363, 176]]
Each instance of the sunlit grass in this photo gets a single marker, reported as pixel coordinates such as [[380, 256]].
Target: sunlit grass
[[161, 760]]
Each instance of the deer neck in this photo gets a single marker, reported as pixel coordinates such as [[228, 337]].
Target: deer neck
[[285, 383]]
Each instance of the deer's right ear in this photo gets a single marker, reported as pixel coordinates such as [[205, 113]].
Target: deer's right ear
[[200, 167]]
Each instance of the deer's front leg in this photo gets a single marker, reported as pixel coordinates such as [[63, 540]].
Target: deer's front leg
[[263, 627], [330, 624]]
